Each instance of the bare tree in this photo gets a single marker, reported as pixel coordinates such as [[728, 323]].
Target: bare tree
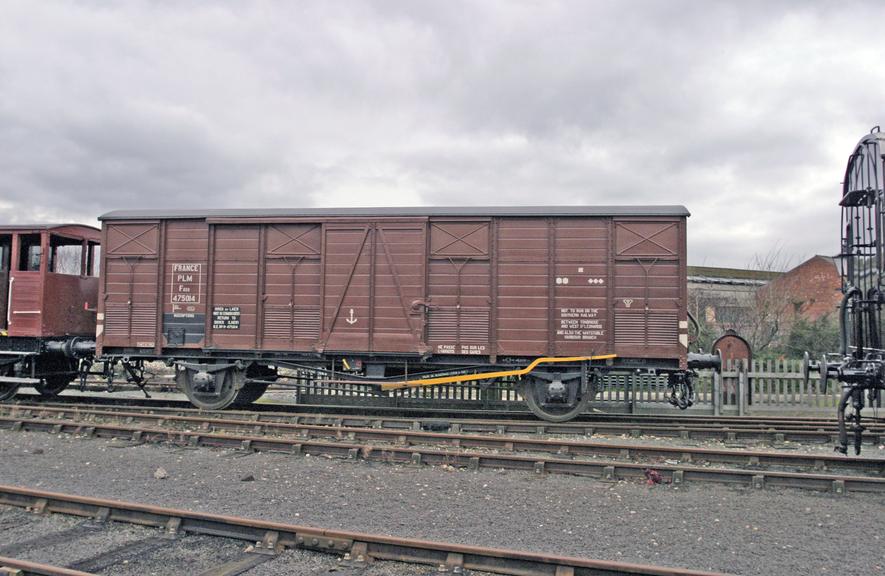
[[760, 315]]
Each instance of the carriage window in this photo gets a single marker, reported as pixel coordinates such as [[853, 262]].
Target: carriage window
[[30, 253], [65, 255], [5, 247], [93, 259]]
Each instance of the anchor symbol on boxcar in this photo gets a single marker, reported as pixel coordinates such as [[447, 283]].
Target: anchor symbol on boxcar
[[351, 319]]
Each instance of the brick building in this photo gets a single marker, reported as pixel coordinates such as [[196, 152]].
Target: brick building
[[760, 305], [811, 290]]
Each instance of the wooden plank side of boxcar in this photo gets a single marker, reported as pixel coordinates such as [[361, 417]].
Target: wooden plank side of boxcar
[[399, 272], [459, 286], [291, 317], [185, 290], [484, 285], [649, 282], [232, 291], [128, 307], [329, 285], [580, 279]]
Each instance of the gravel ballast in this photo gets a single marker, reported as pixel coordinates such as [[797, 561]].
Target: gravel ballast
[[118, 549], [699, 526]]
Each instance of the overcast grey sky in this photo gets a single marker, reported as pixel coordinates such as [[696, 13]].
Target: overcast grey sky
[[744, 112]]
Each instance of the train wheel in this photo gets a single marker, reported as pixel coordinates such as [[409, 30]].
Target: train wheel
[[7, 389], [55, 374], [53, 385], [557, 400], [252, 391], [210, 390]]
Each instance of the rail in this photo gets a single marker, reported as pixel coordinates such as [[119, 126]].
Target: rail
[[351, 444], [356, 547]]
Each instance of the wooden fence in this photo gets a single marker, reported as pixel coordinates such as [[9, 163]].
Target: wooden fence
[[764, 386]]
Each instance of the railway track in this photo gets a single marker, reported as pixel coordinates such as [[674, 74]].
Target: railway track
[[725, 429], [266, 541], [40, 418], [430, 411], [604, 460]]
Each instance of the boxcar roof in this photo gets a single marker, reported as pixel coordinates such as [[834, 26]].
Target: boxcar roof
[[403, 211]]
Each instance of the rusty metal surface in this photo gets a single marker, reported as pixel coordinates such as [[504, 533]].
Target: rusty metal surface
[[277, 536], [486, 284], [733, 347], [409, 417], [728, 429], [17, 567], [561, 464], [625, 451]]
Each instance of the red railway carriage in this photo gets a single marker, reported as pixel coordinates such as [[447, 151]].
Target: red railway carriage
[[544, 293], [48, 296]]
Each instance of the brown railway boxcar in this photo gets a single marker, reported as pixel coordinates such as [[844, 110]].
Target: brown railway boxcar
[[230, 295], [48, 296]]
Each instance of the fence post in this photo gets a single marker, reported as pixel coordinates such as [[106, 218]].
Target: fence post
[[742, 387], [630, 396], [717, 394]]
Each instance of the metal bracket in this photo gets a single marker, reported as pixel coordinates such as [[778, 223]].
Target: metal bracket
[[357, 557], [210, 368], [321, 542], [269, 544]]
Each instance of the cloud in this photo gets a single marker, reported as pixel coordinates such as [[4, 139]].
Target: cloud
[[745, 113]]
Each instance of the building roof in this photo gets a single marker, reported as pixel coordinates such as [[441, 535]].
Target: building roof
[[730, 276], [733, 273], [458, 211], [45, 226]]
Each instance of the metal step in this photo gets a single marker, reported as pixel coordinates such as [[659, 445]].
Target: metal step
[[15, 380]]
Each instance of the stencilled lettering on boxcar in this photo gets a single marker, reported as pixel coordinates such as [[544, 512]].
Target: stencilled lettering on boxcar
[[472, 349], [580, 324], [187, 283], [226, 318], [476, 349]]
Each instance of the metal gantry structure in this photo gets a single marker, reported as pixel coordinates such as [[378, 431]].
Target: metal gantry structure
[[859, 365]]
